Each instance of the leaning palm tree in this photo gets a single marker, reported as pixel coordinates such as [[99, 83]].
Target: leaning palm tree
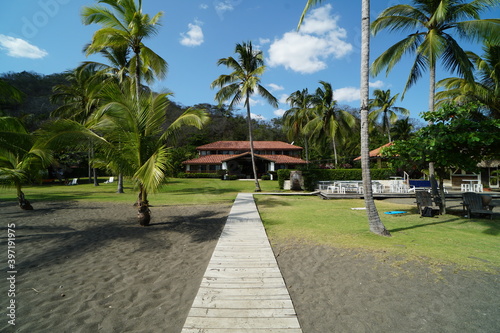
[[376, 225], [486, 88], [327, 120], [126, 26], [242, 83], [432, 24], [382, 106], [20, 158]]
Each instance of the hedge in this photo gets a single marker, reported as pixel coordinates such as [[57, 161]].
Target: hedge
[[198, 175], [311, 177]]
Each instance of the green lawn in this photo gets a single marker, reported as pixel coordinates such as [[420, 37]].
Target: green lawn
[[175, 192], [447, 239]]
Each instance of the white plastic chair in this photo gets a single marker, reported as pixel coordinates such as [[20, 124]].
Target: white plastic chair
[[110, 180]]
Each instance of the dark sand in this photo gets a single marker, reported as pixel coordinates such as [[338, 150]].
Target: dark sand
[[88, 267]]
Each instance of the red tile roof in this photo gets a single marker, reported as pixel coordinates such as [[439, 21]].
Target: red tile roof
[[245, 145], [218, 159], [376, 152]]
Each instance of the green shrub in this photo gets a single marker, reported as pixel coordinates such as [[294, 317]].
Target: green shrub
[[265, 177], [312, 176], [283, 174], [198, 175]]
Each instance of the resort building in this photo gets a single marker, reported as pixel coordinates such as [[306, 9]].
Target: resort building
[[235, 158]]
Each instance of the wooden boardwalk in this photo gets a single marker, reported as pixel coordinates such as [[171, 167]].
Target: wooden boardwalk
[[242, 289]]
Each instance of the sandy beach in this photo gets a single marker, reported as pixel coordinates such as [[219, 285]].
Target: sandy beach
[[88, 267]]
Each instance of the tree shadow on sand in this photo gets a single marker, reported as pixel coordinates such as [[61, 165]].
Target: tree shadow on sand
[[61, 234]]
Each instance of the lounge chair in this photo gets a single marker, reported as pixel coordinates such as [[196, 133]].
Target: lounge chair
[[110, 180], [473, 204], [424, 199], [73, 182]]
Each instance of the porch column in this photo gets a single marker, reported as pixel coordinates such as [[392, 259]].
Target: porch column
[[188, 167], [271, 166], [224, 165]]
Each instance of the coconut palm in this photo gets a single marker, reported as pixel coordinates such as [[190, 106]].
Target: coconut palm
[[126, 26], [242, 83], [382, 106], [402, 129], [20, 158], [376, 225], [295, 119], [327, 120], [142, 135], [138, 126], [486, 88], [432, 24], [78, 100]]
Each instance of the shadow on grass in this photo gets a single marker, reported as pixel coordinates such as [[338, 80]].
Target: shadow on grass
[[422, 225], [201, 190], [271, 202]]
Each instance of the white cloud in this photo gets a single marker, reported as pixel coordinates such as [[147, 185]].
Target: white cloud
[[306, 50], [275, 87], [283, 98], [194, 36], [377, 84], [347, 94], [257, 116], [263, 41], [279, 112], [203, 6], [223, 6], [19, 48]]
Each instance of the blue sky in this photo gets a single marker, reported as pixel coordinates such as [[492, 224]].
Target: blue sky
[[47, 36]]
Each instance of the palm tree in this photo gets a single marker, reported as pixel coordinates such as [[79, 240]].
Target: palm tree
[[78, 101], [386, 109], [486, 88], [295, 119], [402, 129], [376, 225], [139, 130], [126, 26], [433, 22], [327, 120], [242, 83], [20, 158]]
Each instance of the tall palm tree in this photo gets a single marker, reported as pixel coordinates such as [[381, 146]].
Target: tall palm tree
[[295, 119], [125, 25], [20, 157], [486, 88], [433, 23], [327, 119], [376, 225], [242, 83], [383, 103]]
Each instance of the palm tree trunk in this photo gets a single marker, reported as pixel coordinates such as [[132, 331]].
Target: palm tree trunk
[[143, 213], [120, 183], [432, 92], [23, 203], [250, 139], [376, 225], [335, 152]]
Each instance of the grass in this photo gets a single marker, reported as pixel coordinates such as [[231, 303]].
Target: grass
[[447, 239], [174, 192]]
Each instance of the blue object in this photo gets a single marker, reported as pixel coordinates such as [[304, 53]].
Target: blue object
[[396, 212]]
